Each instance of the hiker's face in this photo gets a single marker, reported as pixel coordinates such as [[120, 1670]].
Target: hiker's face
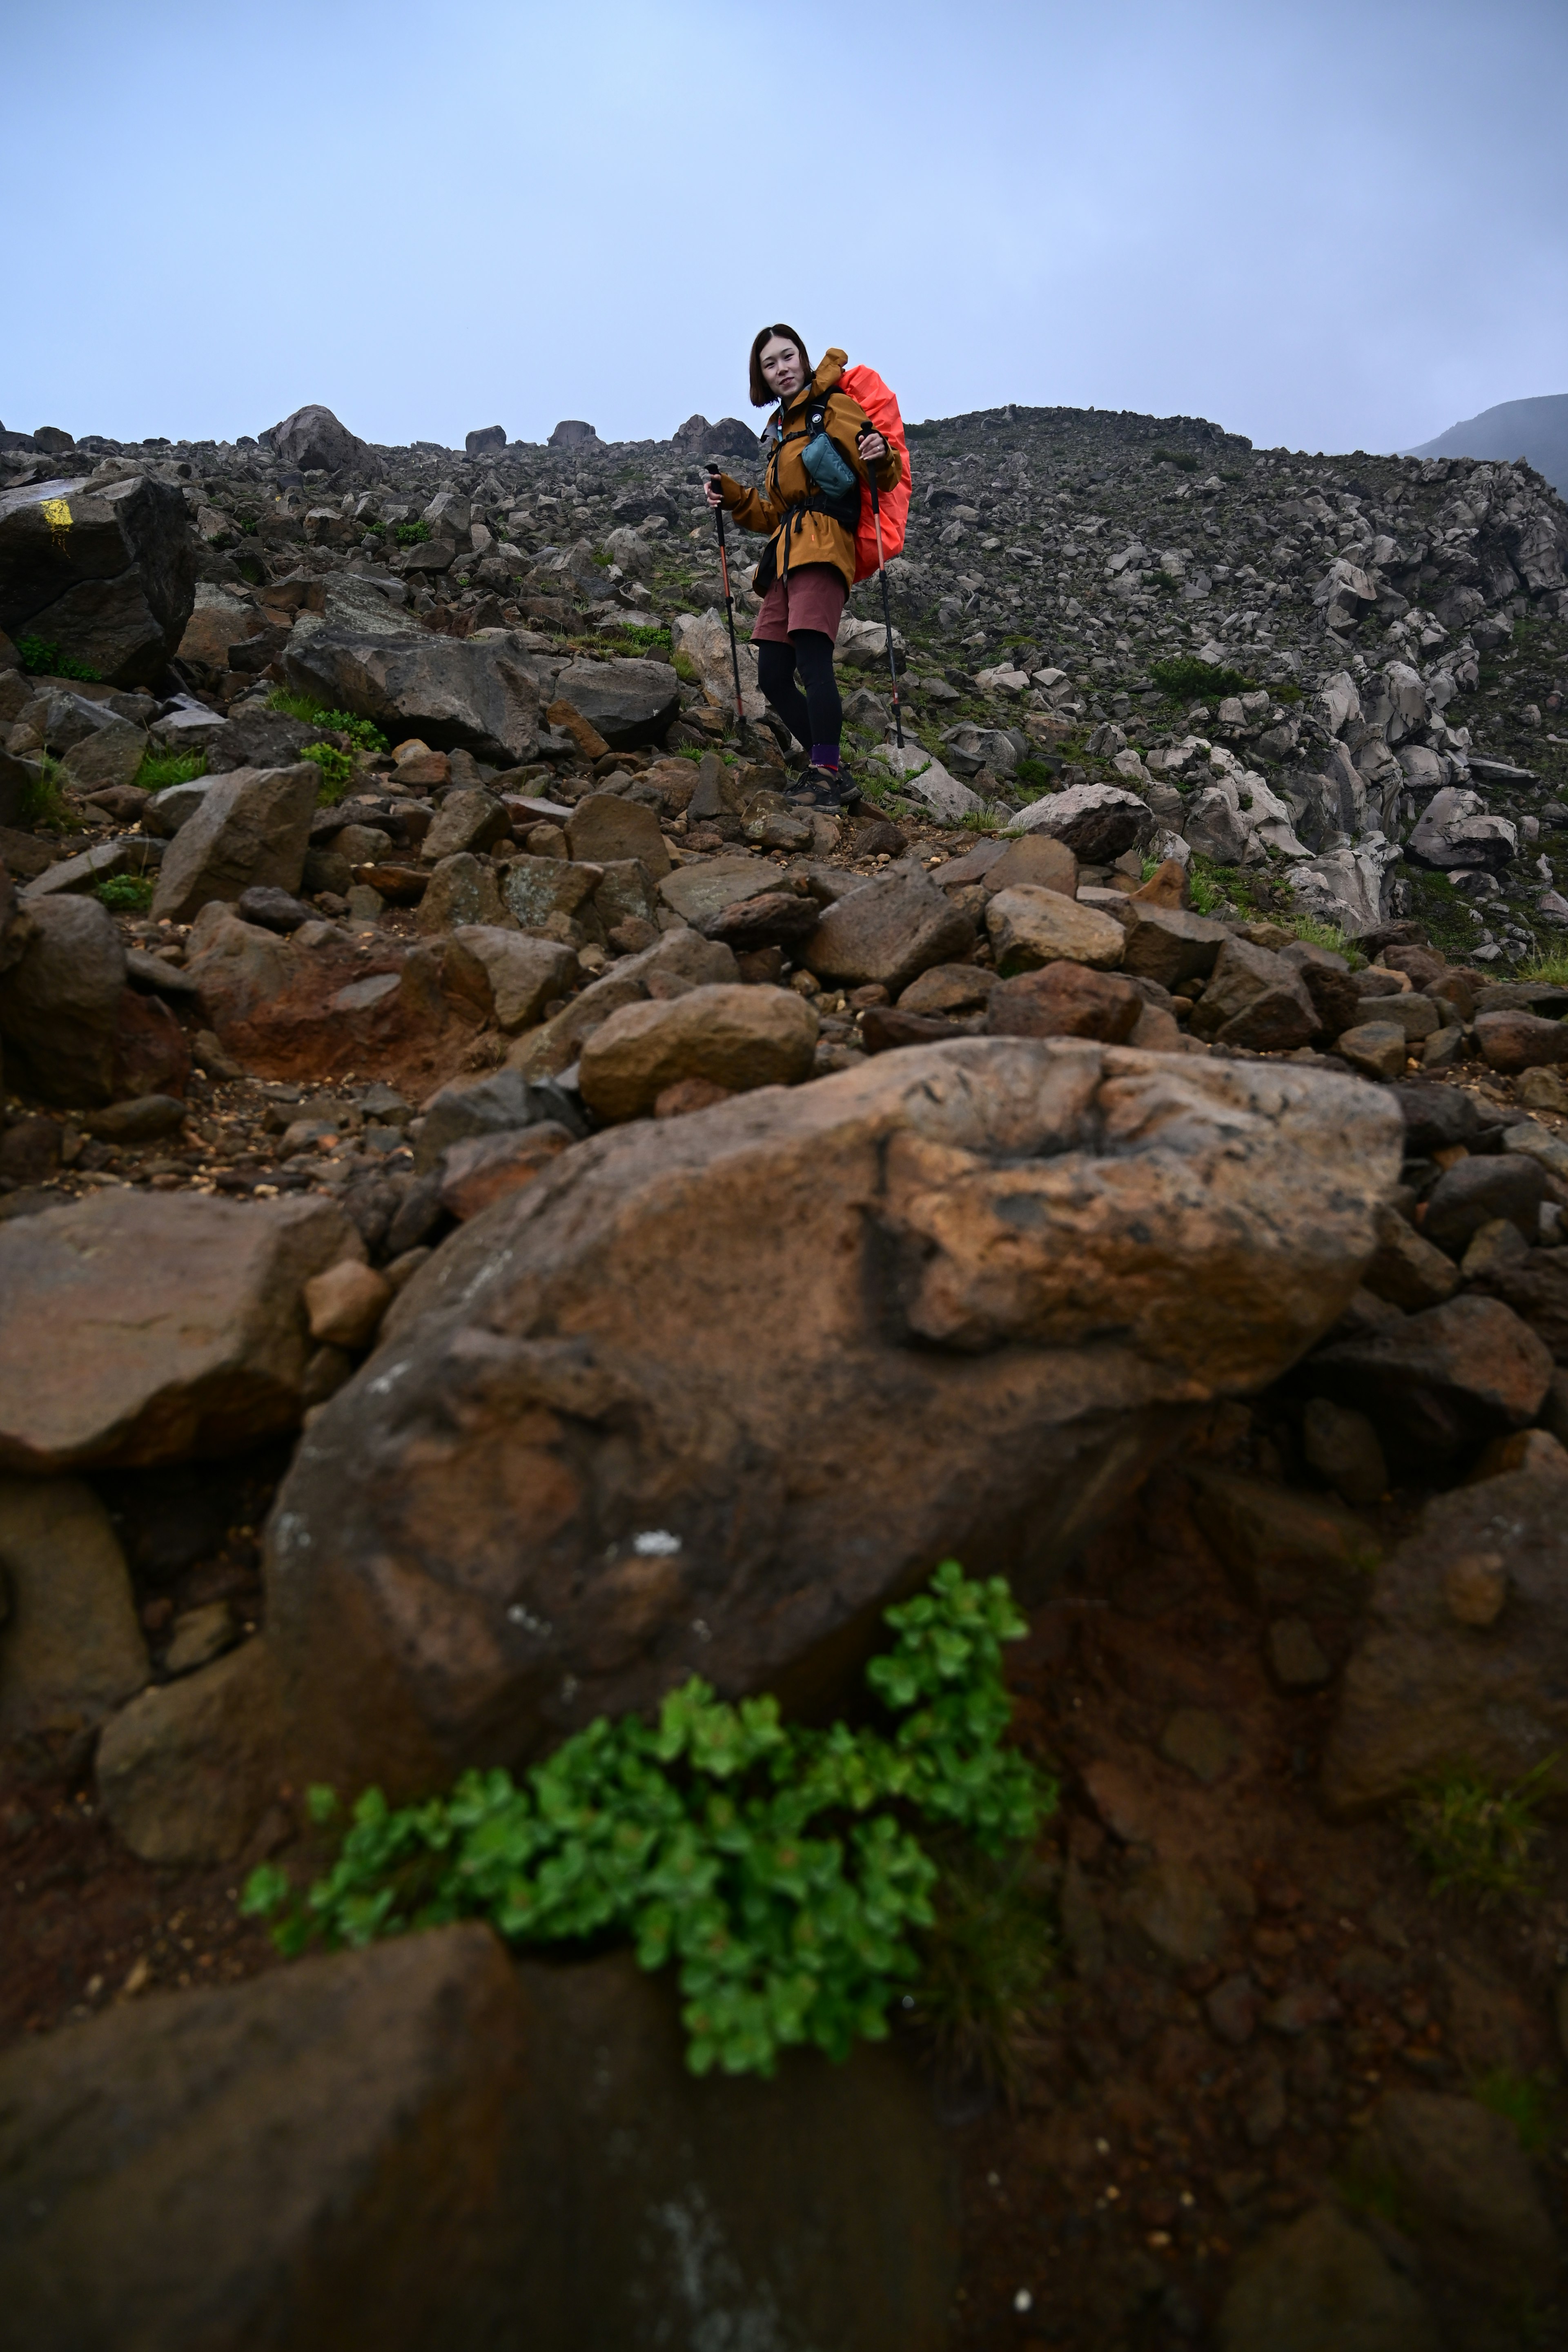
[[782, 366]]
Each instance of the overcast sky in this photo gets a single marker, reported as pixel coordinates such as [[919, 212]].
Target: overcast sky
[[1322, 224]]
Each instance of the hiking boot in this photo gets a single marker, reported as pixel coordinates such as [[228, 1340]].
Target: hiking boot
[[833, 791]]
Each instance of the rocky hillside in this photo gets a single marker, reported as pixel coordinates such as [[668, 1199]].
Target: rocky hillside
[[1534, 429], [500, 1215]]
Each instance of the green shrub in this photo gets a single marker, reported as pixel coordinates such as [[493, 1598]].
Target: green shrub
[[1034, 773], [337, 772], [1206, 894], [159, 770], [1194, 681], [1473, 1839], [413, 534], [126, 894], [41, 659], [778, 1868]]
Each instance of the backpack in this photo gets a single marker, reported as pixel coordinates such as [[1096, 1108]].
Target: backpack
[[881, 405]]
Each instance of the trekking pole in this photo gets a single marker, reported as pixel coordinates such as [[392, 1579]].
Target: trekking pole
[[729, 607], [887, 610]]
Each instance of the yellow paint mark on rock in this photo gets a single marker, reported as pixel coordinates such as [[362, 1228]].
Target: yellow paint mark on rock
[[56, 513]]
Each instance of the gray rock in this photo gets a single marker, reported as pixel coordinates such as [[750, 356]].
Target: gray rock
[[111, 755], [108, 574], [550, 894], [251, 829], [1456, 829], [71, 1648], [462, 889], [1254, 998], [131, 854], [1167, 944], [493, 1106], [603, 830], [452, 692], [521, 974], [312, 437], [1342, 1447], [629, 702], [571, 434], [1097, 822], [60, 988], [471, 819], [484, 437]]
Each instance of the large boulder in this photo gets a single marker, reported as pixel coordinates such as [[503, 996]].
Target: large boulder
[[107, 573], [62, 977], [1323, 2284], [320, 1004], [251, 830], [1440, 1381], [946, 1302], [629, 702], [733, 1036], [454, 693], [1255, 999], [1465, 1658], [728, 438], [704, 639], [313, 438], [420, 2144], [175, 1326]]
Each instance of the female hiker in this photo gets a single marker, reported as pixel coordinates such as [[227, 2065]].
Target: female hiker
[[818, 445]]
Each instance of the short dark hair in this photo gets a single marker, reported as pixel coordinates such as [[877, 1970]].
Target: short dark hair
[[762, 390]]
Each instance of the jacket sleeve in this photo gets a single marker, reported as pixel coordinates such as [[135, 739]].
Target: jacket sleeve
[[750, 508], [844, 419]]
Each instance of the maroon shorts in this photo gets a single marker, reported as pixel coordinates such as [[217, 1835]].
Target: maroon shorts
[[816, 597]]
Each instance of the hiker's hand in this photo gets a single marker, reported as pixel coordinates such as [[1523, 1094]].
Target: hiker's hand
[[715, 495], [873, 449]]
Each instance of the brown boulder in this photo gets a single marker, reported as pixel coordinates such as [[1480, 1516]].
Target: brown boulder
[[484, 1168], [421, 2145], [948, 1302], [1429, 1686], [175, 1326], [1521, 1041], [737, 1037], [323, 1003], [71, 1648], [680, 962], [1448, 1377], [1065, 1000], [602, 829], [886, 933], [186, 1771], [1169, 944], [1254, 998], [1029, 926]]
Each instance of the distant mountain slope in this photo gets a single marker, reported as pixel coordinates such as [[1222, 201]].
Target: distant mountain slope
[[1536, 429]]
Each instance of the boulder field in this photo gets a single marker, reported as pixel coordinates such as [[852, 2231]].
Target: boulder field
[[500, 1213]]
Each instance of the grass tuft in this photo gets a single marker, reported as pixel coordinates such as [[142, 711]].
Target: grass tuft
[[337, 772], [985, 1963], [41, 659], [1551, 968], [159, 770], [1474, 1840], [44, 801], [1197, 681]]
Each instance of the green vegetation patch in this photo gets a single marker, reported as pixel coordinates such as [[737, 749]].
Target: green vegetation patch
[[361, 732], [337, 772], [43, 799], [782, 1870], [126, 894], [413, 534], [1192, 680], [159, 770], [41, 659]]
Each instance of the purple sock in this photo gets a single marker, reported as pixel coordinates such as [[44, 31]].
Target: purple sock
[[826, 755]]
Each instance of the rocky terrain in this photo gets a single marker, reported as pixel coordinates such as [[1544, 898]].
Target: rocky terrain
[[499, 1212]]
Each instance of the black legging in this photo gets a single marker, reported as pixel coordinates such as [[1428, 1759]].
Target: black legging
[[816, 718]]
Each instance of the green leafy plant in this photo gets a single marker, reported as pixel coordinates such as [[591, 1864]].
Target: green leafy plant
[[1475, 1839], [1193, 681], [779, 1868], [337, 772], [159, 770], [1318, 934], [41, 659], [1206, 894], [1034, 773], [413, 534], [126, 894]]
